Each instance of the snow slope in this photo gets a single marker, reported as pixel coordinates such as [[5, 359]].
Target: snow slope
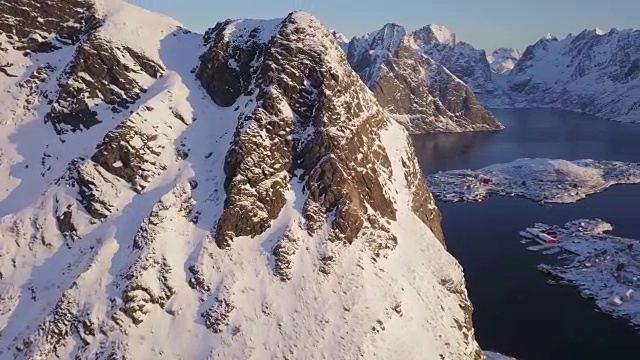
[[142, 219], [544, 180], [503, 60]]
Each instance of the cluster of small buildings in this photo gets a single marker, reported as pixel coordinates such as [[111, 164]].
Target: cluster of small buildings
[[604, 267]]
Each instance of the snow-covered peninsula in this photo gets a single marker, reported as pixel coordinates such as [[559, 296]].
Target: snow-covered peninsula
[[604, 267]]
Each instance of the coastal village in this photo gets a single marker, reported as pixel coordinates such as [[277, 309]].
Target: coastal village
[[582, 253], [604, 267]]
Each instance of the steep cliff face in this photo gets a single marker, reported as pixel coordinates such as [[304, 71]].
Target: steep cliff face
[[596, 72], [170, 195], [412, 87]]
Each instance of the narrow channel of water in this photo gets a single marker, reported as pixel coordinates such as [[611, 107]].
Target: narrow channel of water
[[516, 311]]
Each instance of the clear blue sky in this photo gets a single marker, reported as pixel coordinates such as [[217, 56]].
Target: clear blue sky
[[484, 23]]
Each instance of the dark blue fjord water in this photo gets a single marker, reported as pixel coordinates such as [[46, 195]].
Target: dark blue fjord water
[[516, 312]]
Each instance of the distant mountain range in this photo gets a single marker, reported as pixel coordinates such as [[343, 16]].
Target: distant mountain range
[[595, 72], [413, 78]]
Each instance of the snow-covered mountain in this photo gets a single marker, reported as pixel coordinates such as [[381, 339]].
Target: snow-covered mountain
[[596, 72], [242, 194], [504, 59], [412, 84], [342, 40], [462, 59]]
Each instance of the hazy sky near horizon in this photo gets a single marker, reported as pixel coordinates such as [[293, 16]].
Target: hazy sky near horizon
[[486, 24]]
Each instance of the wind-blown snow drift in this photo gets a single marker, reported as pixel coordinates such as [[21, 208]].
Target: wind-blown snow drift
[[239, 195]]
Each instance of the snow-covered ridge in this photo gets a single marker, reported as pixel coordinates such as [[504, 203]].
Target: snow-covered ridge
[[177, 203], [342, 39], [462, 59], [544, 180]]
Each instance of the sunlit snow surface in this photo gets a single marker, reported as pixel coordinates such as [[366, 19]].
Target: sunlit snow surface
[[406, 305], [504, 59], [543, 180]]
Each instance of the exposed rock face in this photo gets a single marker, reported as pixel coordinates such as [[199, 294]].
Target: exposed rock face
[[103, 72], [309, 148], [132, 231], [594, 72], [36, 26], [414, 87]]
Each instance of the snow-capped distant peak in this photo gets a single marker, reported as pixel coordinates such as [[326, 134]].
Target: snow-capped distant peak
[[596, 72], [442, 33], [340, 37], [388, 38], [342, 40], [392, 30], [548, 36], [434, 34]]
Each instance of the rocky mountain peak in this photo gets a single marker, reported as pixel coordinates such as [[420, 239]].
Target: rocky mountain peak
[[166, 194], [388, 38], [410, 81], [255, 55], [431, 34]]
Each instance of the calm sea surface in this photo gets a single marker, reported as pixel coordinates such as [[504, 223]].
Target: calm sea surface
[[516, 311]]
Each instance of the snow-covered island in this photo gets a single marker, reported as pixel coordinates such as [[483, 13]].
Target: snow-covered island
[[604, 267], [543, 180]]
